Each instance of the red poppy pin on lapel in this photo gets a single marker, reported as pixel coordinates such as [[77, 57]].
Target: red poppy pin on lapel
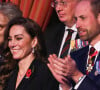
[[28, 73]]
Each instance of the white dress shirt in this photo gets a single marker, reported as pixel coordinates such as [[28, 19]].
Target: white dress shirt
[[74, 34]]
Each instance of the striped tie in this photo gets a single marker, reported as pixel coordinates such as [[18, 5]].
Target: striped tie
[[90, 63], [66, 45]]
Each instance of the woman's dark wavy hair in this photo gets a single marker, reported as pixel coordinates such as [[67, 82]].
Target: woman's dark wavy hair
[[34, 30]]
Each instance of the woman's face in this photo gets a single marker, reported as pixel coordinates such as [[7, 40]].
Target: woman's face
[[20, 42]]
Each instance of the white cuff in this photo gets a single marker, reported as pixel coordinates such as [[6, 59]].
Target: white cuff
[[60, 88], [80, 81]]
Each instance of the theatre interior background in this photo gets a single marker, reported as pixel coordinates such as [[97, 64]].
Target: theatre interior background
[[37, 10]]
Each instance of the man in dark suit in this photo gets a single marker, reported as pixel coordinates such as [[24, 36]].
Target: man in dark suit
[[55, 36], [83, 66]]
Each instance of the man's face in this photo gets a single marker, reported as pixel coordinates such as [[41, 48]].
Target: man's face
[[87, 24], [3, 22], [65, 10]]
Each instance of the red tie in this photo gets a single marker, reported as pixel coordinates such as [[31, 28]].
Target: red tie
[[90, 63], [66, 45]]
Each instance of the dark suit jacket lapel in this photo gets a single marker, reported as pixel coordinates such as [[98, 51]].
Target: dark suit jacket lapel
[[53, 37], [80, 56], [58, 38], [29, 74]]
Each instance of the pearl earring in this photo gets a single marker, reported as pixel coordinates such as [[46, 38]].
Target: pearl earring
[[33, 50]]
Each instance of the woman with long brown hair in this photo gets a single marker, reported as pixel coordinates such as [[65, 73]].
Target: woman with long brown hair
[[24, 46]]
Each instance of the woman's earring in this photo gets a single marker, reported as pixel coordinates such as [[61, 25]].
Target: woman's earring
[[33, 50]]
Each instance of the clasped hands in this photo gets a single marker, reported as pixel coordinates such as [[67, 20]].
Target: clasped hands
[[64, 69]]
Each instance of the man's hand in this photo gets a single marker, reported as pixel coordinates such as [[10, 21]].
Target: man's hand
[[57, 68], [64, 68], [72, 70]]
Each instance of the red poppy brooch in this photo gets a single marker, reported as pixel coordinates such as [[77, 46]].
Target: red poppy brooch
[[28, 73]]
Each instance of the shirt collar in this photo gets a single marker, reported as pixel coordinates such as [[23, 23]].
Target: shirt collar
[[96, 46], [73, 28]]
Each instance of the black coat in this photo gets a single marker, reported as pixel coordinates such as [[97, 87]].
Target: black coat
[[40, 79]]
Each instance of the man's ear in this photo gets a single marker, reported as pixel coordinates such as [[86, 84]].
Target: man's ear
[[98, 18], [34, 42]]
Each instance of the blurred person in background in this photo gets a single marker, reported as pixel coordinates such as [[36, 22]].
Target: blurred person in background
[[63, 38], [7, 12], [56, 36]]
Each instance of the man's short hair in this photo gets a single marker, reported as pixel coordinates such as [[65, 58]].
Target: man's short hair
[[95, 5], [10, 10]]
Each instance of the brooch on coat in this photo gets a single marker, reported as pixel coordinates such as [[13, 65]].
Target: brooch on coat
[[29, 72]]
